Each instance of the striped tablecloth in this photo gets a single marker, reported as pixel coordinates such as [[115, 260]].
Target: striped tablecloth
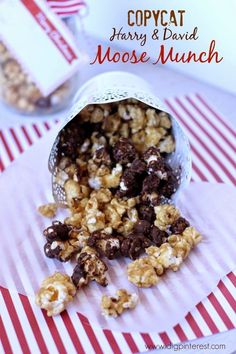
[[25, 328]]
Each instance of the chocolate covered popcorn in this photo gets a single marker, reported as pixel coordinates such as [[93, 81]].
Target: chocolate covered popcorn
[[89, 267], [113, 167], [170, 253]]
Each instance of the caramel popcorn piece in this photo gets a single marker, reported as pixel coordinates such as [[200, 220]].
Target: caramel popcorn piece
[[111, 124], [79, 237], [153, 119], [74, 192], [165, 256], [115, 305], [55, 293], [128, 221], [167, 145], [124, 131], [94, 220], [166, 214], [75, 219], [103, 195], [138, 140], [112, 217], [180, 245], [102, 156], [152, 136], [98, 141], [165, 120], [142, 274], [97, 115], [138, 120], [48, 210], [192, 236], [124, 111], [112, 180], [86, 112]]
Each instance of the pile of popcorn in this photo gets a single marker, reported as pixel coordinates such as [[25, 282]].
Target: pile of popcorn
[[112, 165], [19, 91]]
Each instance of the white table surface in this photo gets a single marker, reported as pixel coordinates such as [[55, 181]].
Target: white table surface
[[166, 83]]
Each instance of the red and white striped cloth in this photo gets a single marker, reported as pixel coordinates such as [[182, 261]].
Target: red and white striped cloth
[[66, 7], [25, 328]]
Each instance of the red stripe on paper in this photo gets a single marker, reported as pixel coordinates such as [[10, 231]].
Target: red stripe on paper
[[216, 115], [18, 144], [4, 338], [54, 332], [198, 171], [47, 126], [227, 295], [148, 340], [6, 146], [111, 340], [33, 324], [2, 167], [26, 134], [37, 131], [216, 176], [232, 278], [207, 318], [15, 321], [221, 312], [51, 31], [180, 333], [165, 338], [212, 154], [194, 326], [72, 332], [90, 333], [215, 127], [225, 153], [131, 343]]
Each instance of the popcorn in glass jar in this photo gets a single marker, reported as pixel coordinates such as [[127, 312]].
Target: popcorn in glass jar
[[19, 91]]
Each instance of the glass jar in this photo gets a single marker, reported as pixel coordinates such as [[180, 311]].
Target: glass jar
[[19, 92]]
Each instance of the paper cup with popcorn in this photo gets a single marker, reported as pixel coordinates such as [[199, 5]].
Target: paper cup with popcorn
[[120, 137]]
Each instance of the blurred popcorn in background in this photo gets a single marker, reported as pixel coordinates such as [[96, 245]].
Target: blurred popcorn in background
[[39, 59]]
